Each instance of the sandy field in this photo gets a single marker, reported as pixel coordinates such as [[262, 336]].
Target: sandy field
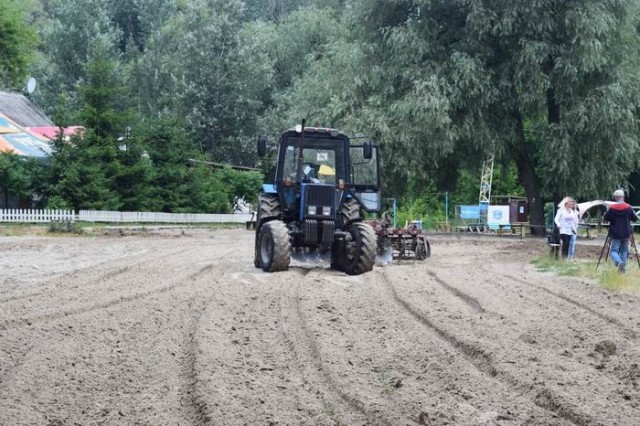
[[178, 328]]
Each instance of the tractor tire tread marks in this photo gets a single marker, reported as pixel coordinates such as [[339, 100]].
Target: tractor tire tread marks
[[466, 298], [483, 362], [629, 332], [309, 345], [193, 397], [58, 315], [118, 268]]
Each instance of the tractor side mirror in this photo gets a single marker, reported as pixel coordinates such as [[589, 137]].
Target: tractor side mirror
[[367, 150], [262, 146]]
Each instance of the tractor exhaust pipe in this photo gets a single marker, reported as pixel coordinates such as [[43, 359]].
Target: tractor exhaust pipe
[[301, 153]]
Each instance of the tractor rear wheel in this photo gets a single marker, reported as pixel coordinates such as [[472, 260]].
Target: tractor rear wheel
[[274, 246], [349, 211], [360, 253], [337, 256]]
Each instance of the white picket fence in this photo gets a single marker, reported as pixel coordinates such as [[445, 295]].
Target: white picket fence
[[155, 217], [45, 216], [35, 216]]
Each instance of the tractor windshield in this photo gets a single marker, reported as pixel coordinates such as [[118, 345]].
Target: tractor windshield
[[323, 160]]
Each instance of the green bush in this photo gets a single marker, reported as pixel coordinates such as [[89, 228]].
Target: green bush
[[65, 227]]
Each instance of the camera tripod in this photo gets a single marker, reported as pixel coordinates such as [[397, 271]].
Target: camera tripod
[[607, 245]]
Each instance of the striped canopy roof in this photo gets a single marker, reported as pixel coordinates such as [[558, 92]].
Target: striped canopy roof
[[16, 139]]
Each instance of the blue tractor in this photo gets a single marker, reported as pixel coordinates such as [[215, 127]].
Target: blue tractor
[[322, 184]]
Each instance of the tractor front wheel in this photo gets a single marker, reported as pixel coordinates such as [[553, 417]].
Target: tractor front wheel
[[274, 246], [360, 253]]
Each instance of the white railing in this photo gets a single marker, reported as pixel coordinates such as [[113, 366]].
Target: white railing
[[154, 217], [35, 216], [45, 216]]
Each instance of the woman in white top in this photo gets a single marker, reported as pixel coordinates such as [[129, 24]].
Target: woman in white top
[[567, 222]]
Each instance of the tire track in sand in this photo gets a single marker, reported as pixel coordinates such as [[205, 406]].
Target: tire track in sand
[[287, 308], [482, 361], [38, 319], [466, 298], [191, 302], [198, 396], [116, 271], [308, 347], [628, 332], [192, 398]]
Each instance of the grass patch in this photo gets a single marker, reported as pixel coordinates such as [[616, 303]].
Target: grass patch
[[606, 275], [20, 230]]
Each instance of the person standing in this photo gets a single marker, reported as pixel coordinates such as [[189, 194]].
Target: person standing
[[567, 222], [620, 215]]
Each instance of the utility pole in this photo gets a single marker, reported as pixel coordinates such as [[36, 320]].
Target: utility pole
[[446, 207], [486, 179]]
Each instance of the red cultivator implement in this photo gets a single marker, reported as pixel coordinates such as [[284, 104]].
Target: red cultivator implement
[[400, 243]]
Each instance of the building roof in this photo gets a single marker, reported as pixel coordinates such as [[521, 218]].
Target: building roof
[[25, 129], [16, 139], [52, 133], [22, 111]]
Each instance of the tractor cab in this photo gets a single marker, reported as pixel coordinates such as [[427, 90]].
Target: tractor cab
[[323, 161]]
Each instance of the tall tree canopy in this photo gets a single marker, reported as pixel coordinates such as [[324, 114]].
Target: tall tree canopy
[[551, 85], [17, 43], [548, 86]]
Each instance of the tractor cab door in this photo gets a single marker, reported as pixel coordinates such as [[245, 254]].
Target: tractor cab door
[[365, 178]]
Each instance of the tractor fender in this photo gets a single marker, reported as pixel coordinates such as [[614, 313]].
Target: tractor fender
[[269, 188], [265, 220]]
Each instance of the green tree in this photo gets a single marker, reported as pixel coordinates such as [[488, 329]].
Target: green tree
[[77, 180], [182, 182], [70, 30], [273, 10], [87, 171], [17, 43], [549, 85], [240, 185], [15, 178], [222, 70], [135, 174]]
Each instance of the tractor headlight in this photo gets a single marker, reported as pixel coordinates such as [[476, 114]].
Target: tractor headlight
[[326, 211], [311, 210]]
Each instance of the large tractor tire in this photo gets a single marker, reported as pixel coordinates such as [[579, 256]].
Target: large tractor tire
[[274, 246], [337, 256], [349, 211], [269, 208], [360, 253]]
